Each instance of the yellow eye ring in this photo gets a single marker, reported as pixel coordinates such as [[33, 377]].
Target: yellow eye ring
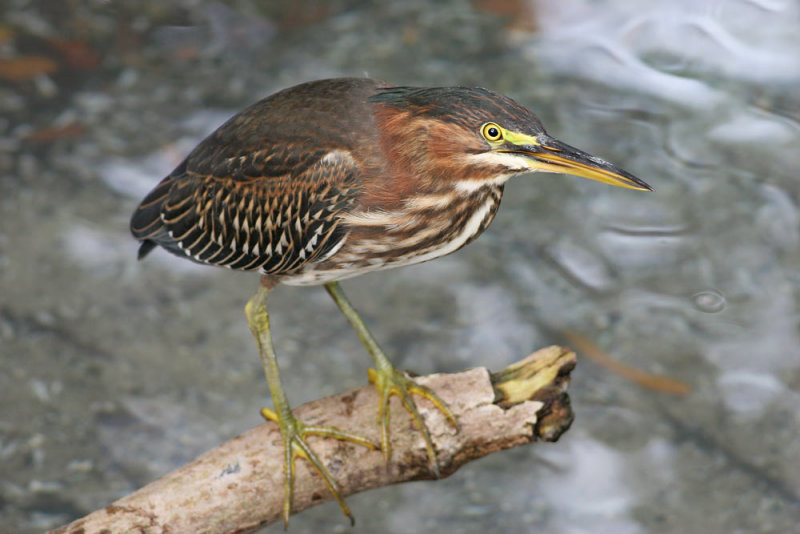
[[491, 132]]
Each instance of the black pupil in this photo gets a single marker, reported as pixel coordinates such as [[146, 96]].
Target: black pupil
[[493, 132]]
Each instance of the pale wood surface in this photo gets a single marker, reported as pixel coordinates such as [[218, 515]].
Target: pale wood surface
[[238, 486]]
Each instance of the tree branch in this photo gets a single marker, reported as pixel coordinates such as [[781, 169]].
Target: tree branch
[[238, 486]]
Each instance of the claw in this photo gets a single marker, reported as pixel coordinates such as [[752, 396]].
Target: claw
[[269, 415], [393, 382], [294, 432]]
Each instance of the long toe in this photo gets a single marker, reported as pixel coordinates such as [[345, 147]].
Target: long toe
[[294, 432], [389, 381]]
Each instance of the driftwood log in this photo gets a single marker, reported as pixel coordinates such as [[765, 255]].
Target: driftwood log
[[238, 486]]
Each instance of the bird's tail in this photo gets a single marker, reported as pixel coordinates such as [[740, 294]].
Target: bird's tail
[[146, 224]]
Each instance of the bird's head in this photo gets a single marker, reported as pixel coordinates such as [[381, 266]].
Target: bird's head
[[476, 136]]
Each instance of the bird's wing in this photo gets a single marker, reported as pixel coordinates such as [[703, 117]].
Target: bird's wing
[[273, 208]]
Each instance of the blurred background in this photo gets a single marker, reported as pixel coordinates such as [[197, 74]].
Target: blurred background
[[113, 372]]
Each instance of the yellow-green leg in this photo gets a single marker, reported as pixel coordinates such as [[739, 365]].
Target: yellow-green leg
[[293, 430], [389, 381]]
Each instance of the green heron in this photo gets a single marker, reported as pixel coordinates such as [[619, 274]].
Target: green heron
[[335, 178]]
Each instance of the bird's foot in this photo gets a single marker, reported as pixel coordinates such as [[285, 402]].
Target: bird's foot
[[389, 381], [294, 432]]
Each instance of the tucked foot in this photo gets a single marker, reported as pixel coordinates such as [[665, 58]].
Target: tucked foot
[[294, 432], [389, 381]]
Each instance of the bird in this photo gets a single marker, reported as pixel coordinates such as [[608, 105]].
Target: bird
[[331, 179]]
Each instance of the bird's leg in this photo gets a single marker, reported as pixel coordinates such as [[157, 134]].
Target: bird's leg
[[389, 381], [293, 430]]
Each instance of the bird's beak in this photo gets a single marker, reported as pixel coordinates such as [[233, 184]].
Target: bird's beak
[[547, 154]]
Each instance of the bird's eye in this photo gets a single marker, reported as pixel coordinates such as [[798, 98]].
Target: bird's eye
[[491, 132]]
